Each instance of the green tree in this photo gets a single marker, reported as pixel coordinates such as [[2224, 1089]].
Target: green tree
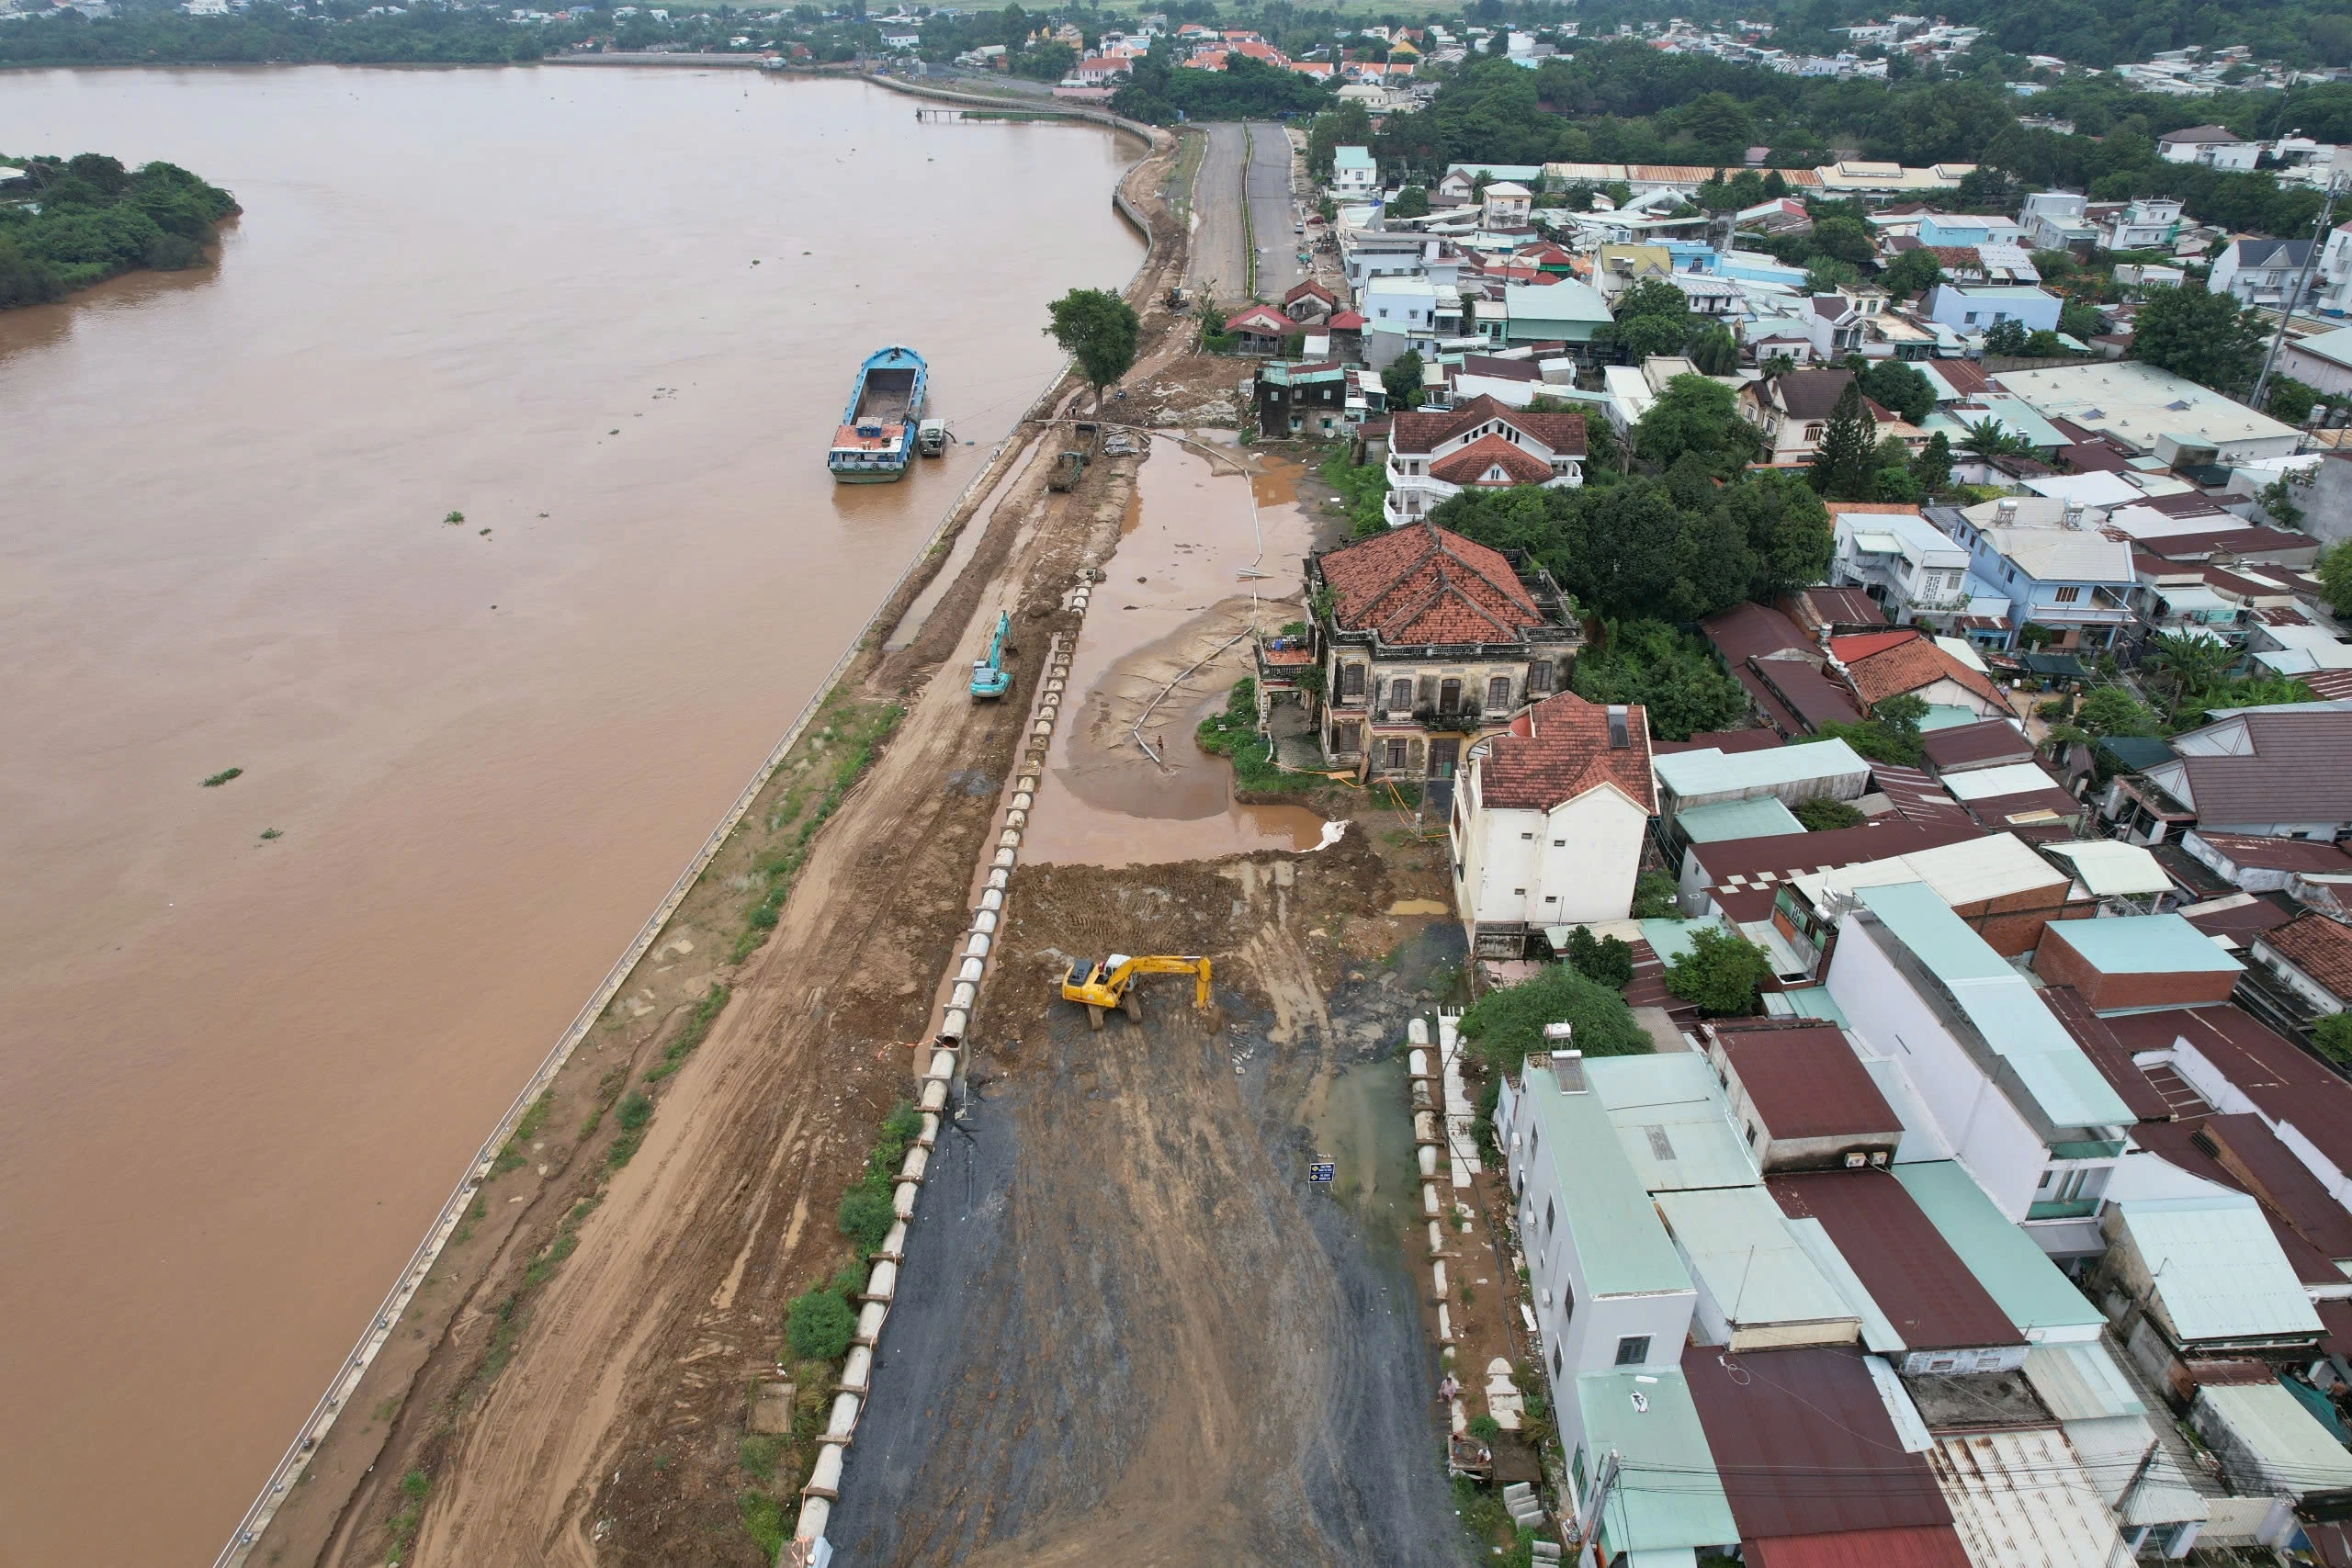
[[1694, 415], [1899, 389], [2335, 569], [2279, 499], [1652, 317], [1913, 272], [2333, 1035], [1503, 1026], [1842, 461], [1715, 352], [1681, 685], [2112, 710], [2078, 319], [2203, 336], [1788, 533], [1413, 202], [1826, 815], [1826, 275], [2006, 338], [1843, 239], [1654, 893], [1604, 959], [1931, 469], [1720, 972], [1988, 438], [1097, 327], [2289, 399], [1402, 381], [2189, 664]]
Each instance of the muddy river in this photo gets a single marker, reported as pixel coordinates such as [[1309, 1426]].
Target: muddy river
[[610, 318]]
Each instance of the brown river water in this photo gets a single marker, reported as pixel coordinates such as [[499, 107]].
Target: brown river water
[[243, 1073]]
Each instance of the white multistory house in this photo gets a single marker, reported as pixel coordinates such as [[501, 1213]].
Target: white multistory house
[[1505, 204], [1548, 827], [2150, 223], [1354, 175], [2332, 287], [2260, 272], [2211, 146], [1482, 444], [1906, 563]]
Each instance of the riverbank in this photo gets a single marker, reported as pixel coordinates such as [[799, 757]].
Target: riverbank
[[68, 224], [420, 1400]]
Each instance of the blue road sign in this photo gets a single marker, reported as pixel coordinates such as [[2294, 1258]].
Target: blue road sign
[[1321, 1170]]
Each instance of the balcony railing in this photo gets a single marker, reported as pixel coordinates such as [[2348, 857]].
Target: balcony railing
[[2072, 1209]]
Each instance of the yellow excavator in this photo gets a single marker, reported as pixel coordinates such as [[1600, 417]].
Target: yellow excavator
[[1111, 984]]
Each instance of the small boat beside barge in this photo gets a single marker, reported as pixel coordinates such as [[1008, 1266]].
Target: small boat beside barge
[[878, 430]]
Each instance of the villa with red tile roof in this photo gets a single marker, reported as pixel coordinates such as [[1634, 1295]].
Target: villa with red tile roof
[[1549, 823], [1428, 641], [1482, 444]]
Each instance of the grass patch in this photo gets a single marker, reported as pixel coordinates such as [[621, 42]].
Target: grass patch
[[758, 1455], [698, 1023], [1361, 487], [624, 1150], [762, 1521], [474, 1216], [866, 1211], [841, 749], [269, 833], [223, 776], [1232, 735]]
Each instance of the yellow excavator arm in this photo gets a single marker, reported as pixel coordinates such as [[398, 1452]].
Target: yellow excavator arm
[[1106, 984]]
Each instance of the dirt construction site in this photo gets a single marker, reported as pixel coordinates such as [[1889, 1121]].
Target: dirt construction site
[[1128, 1326]]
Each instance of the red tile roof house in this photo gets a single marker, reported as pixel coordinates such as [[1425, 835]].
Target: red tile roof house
[[1261, 328], [2312, 958], [1309, 302], [1549, 823], [1879, 665], [1482, 444], [1429, 641]]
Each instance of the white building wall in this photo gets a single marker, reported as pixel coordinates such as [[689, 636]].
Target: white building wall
[[1986, 1133]]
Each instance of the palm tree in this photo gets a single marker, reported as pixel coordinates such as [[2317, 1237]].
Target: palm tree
[[1988, 438], [2193, 664]]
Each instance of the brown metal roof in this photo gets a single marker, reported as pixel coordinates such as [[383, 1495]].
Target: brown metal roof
[[2107, 1053], [2253, 852], [1749, 630], [1807, 692], [1807, 1082], [1784, 855], [1927, 1294], [1727, 741], [1803, 1445], [1919, 1546], [2285, 1083], [1989, 740]]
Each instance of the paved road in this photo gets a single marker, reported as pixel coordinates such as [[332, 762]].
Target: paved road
[[1271, 210], [1218, 265]]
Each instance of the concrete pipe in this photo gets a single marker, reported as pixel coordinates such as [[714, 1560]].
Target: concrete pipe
[[1027, 783], [918, 1160], [844, 1417], [977, 947], [883, 1280], [934, 1096], [1417, 1062], [1437, 1242], [984, 920], [1429, 1199], [962, 997], [816, 1513], [943, 1066], [895, 1241], [954, 1022], [858, 1372], [1009, 840], [1016, 817], [991, 900], [1043, 727], [1425, 1124], [971, 971], [873, 1315], [1417, 1032], [1444, 1324], [827, 1475], [929, 1136], [1049, 702], [1054, 685], [1437, 1272], [902, 1201], [999, 877], [1023, 799], [1005, 858], [1429, 1160]]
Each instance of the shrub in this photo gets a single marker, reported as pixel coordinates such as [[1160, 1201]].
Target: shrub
[[1826, 816], [1720, 972], [1607, 959], [1505, 1025], [865, 1213], [1653, 894], [634, 1111], [819, 1326], [2333, 1035]]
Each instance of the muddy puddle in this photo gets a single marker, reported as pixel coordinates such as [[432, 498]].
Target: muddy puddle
[[1208, 555], [1360, 1121]]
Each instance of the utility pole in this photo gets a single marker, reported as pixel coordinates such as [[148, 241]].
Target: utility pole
[[1588, 1515], [2302, 281]]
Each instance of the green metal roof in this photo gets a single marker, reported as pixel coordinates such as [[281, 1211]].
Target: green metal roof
[[1762, 818], [2013, 1269], [1567, 300], [1351, 158], [1743, 1255], [1616, 1232], [1808, 1001], [1947, 715], [2147, 944], [1672, 1121], [1667, 1494], [1671, 939], [2217, 1267], [2002, 1005]]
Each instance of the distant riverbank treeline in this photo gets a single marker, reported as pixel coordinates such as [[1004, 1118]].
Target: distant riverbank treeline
[[70, 222], [266, 33]]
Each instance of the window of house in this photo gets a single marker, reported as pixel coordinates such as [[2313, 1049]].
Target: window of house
[[1559, 843], [1527, 835], [1551, 1217], [1347, 738], [1449, 695], [1498, 692], [2069, 594], [1400, 693], [1352, 680], [1633, 1350], [1518, 892], [1395, 753], [1555, 1372]]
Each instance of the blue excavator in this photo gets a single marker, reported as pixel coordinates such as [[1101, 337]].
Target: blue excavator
[[990, 680]]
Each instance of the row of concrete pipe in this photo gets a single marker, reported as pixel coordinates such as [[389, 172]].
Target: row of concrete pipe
[[808, 1548], [1429, 1145]]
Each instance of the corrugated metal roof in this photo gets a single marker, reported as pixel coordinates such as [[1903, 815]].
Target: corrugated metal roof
[[1807, 1083], [1667, 1494], [2016, 1272], [2285, 1438], [1928, 1294], [1742, 1254], [2144, 945], [2106, 1051], [1616, 1232], [2081, 1382], [1920, 1546], [1877, 1334], [1762, 819], [1694, 774], [1803, 1446], [2109, 868], [2020, 1499], [1998, 1000], [1969, 871], [1672, 1121], [2010, 778], [2218, 1270]]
